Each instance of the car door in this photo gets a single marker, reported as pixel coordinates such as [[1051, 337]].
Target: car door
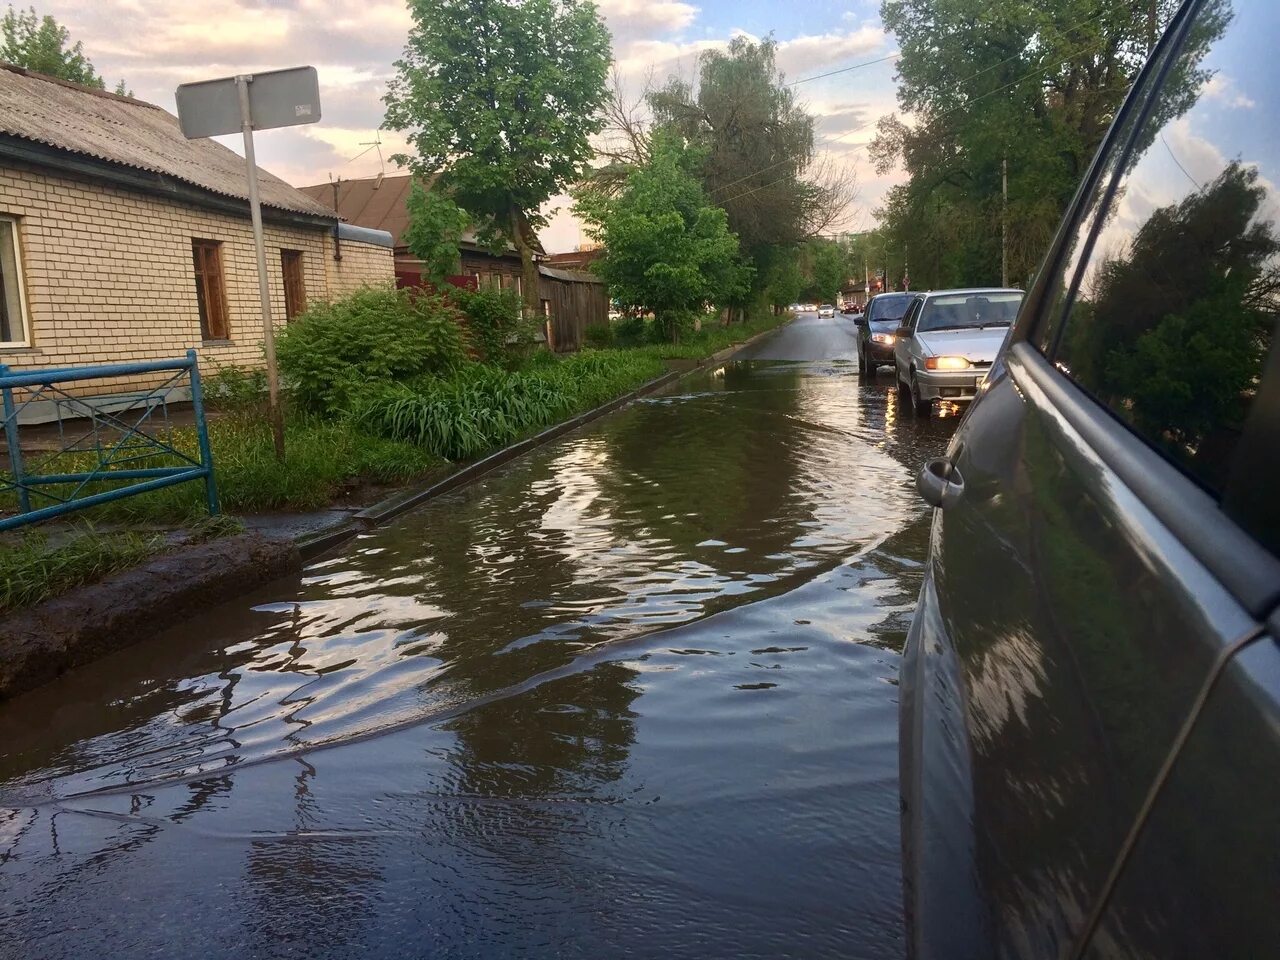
[[1089, 580], [902, 345]]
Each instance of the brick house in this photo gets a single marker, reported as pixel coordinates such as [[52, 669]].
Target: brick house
[[381, 204], [120, 240]]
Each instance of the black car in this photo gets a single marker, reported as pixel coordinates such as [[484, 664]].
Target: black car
[[877, 326], [1090, 694]]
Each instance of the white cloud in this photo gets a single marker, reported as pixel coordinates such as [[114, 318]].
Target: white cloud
[[1223, 89], [635, 18]]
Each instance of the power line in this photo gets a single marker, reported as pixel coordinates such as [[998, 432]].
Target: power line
[[1087, 49], [856, 66]]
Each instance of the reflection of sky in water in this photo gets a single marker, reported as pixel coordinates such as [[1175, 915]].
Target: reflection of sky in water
[[1227, 123]]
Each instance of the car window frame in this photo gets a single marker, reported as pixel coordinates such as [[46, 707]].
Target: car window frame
[[1037, 305], [1245, 568]]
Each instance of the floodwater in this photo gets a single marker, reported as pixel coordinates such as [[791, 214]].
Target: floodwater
[[634, 695]]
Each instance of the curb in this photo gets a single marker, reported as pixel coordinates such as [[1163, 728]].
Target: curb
[[314, 545]]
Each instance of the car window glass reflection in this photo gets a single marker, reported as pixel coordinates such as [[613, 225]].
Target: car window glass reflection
[[1176, 307]]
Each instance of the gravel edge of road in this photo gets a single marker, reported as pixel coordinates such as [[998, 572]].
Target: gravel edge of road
[[41, 642]]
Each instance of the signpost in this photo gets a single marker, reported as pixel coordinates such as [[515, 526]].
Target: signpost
[[244, 103]]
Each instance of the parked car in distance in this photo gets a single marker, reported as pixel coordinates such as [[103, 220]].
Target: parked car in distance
[[948, 341], [1090, 690], [827, 310], [878, 327]]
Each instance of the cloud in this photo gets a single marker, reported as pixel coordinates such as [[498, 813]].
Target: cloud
[[1223, 89], [632, 19]]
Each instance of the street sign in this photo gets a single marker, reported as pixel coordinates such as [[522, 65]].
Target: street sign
[[277, 98], [248, 102]]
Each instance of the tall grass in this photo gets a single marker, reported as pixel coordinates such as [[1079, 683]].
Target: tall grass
[[482, 408], [322, 459], [33, 569]]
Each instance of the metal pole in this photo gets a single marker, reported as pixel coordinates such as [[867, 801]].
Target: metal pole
[[11, 438], [264, 290], [202, 435], [1004, 222]]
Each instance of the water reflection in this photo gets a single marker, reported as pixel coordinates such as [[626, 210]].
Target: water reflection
[[658, 658]]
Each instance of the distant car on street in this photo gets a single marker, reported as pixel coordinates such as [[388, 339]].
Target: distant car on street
[[878, 328], [1090, 689], [948, 340], [827, 310]]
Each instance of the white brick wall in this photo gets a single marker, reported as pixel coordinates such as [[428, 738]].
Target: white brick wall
[[109, 276]]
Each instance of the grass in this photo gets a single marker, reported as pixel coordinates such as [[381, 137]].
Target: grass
[[322, 459], [712, 338], [33, 569], [484, 408]]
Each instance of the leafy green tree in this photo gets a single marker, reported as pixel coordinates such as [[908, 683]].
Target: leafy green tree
[[499, 99], [436, 225], [43, 45], [783, 279], [828, 270], [994, 82], [667, 247]]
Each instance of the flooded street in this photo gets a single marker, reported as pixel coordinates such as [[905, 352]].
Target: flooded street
[[631, 695]]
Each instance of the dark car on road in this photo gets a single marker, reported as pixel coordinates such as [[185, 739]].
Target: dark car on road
[[1090, 693], [878, 327]]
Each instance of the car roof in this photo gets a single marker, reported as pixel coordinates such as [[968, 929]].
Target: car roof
[[941, 293]]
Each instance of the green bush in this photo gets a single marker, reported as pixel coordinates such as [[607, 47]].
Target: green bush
[[631, 331], [236, 390], [599, 336], [498, 331], [334, 351]]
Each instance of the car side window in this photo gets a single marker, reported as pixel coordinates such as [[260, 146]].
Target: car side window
[[1093, 204], [912, 315], [1176, 303]]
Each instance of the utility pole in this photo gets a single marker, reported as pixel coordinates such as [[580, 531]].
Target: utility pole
[[1004, 222]]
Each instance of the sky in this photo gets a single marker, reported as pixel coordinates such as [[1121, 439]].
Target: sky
[[157, 44]]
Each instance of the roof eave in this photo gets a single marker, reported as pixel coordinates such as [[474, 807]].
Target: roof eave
[[157, 184]]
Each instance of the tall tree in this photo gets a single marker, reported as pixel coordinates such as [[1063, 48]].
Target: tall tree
[[667, 248], [991, 83], [43, 45], [499, 99]]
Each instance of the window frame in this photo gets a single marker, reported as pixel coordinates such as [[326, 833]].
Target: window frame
[[293, 276], [205, 246], [20, 268], [1038, 303]]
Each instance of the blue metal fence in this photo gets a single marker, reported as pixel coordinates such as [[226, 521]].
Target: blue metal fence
[[129, 437]]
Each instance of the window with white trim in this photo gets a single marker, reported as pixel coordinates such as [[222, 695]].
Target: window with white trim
[[13, 305]]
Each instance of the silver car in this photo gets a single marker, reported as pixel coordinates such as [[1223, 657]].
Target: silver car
[[948, 340]]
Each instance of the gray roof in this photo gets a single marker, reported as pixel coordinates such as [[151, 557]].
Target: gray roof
[[380, 238], [573, 276], [131, 133]]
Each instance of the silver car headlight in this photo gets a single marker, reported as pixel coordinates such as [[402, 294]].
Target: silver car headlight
[[885, 338]]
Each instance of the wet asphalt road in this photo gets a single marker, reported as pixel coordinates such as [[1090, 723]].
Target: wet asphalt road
[[633, 695]]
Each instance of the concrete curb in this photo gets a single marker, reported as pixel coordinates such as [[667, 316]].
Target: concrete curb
[[39, 643]]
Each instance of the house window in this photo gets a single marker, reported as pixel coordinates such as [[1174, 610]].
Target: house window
[[13, 308], [295, 292], [210, 292]]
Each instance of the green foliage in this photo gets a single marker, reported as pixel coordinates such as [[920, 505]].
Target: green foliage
[[33, 568], [667, 247], [828, 270], [783, 280], [436, 224], [631, 331], [1036, 85], [335, 351], [499, 99], [600, 336], [497, 331], [41, 44], [482, 408], [235, 390]]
